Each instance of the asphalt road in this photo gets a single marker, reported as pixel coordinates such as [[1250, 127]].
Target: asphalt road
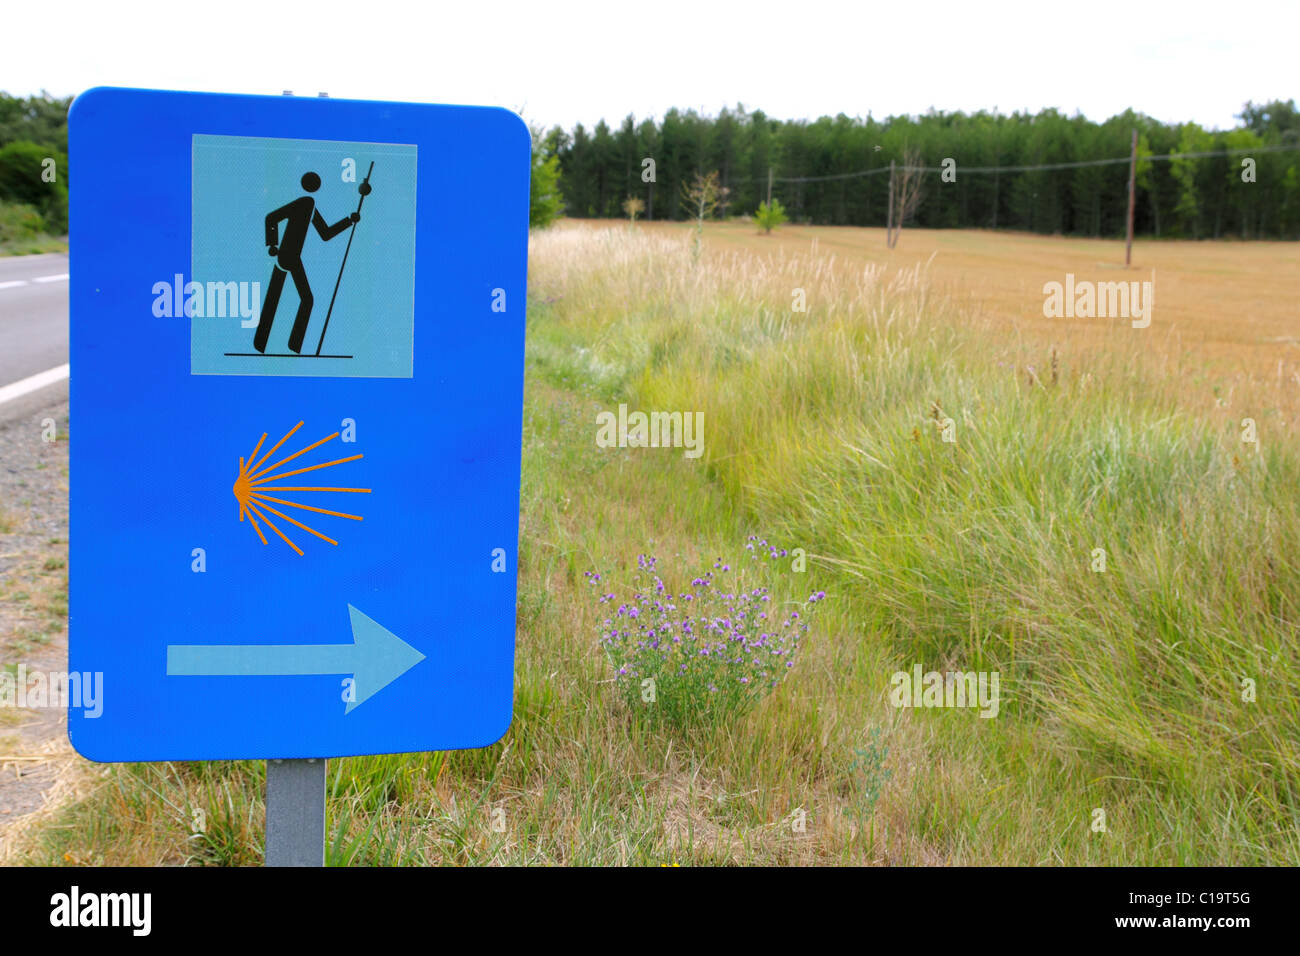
[[33, 329]]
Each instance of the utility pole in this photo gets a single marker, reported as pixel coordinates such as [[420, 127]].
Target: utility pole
[[997, 164], [1132, 198], [889, 222], [995, 197]]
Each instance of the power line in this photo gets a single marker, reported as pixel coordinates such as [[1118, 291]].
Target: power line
[[1163, 157]]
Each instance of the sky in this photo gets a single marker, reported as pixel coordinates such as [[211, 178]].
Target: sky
[[560, 63]]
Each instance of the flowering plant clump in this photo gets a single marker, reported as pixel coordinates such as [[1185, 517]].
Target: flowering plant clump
[[713, 649]]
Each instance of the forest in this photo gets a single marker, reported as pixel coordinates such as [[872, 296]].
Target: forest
[[1193, 197], [835, 171]]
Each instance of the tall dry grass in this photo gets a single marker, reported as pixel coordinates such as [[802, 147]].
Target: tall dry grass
[[825, 427], [1121, 690]]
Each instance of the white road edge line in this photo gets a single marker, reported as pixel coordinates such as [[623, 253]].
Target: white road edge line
[[11, 284], [30, 384], [54, 278]]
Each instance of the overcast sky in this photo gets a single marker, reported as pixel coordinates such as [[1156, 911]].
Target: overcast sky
[[567, 63]]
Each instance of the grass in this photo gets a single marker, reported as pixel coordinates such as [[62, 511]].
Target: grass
[[23, 232], [1122, 689], [33, 245], [36, 590]]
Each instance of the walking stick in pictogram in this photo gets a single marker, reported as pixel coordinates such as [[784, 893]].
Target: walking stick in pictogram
[[365, 191]]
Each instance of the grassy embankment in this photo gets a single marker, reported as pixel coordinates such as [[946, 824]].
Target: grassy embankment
[[1121, 690], [23, 232]]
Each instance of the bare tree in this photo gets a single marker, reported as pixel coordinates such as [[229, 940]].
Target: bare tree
[[701, 198], [904, 194]]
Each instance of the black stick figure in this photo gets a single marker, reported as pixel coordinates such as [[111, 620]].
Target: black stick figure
[[287, 252]]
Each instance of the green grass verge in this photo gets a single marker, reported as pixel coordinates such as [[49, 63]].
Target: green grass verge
[[1123, 690]]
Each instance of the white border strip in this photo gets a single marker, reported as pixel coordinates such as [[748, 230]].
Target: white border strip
[[30, 384]]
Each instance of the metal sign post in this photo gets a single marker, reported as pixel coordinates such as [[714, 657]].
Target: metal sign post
[[295, 812]]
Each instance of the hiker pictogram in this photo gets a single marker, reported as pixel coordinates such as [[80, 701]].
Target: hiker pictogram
[[286, 248], [333, 222]]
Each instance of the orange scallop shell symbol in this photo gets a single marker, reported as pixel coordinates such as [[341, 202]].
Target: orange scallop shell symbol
[[255, 479]]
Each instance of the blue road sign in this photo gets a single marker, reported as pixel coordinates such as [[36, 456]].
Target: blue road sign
[[297, 334]]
